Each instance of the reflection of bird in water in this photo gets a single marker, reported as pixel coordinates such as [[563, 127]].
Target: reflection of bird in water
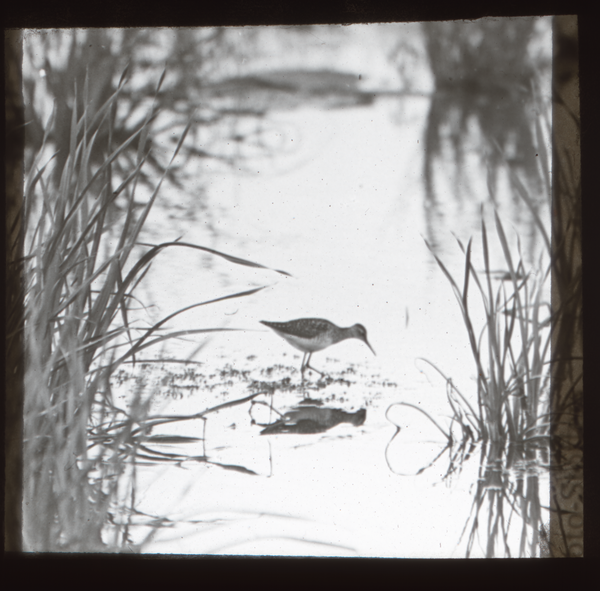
[[314, 334], [311, 419]]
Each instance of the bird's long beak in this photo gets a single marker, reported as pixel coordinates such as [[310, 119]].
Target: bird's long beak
[[367, 343]]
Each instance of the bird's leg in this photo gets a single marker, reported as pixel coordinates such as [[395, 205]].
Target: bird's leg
[[311, 367], [302, 372], [303, 365]]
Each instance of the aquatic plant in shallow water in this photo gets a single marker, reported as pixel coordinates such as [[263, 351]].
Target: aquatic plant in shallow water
[[81, 267], [510, 417]]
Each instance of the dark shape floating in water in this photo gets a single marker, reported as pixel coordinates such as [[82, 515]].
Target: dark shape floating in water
[[312, 419]]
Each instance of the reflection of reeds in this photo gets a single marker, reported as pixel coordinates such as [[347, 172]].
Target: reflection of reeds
[[79, 282], [54, 60], [483, 75]]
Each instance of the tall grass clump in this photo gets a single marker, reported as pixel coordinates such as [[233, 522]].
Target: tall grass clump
[[81, 266], [74, 288], [511, 350]]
